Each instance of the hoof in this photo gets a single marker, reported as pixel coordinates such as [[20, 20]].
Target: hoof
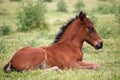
[[96, 66], [55, 68]]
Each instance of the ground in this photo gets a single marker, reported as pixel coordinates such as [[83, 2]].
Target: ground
[[108, 57]]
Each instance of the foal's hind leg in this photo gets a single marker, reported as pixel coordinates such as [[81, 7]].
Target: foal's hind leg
[[55, 68], [43, 66]]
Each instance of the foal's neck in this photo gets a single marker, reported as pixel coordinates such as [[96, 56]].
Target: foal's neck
[[70, 35]]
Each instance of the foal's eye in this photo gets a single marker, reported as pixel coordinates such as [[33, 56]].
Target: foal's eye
[[90, 29]]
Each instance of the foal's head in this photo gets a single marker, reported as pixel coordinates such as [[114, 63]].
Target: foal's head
[[88, 32]]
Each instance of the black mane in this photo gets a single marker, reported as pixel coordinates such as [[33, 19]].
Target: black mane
[[62, 30]]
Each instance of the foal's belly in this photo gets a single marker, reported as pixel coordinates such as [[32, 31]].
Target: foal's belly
[[63, 61]]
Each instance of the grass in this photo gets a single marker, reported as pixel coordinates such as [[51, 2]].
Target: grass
[[108, 57]]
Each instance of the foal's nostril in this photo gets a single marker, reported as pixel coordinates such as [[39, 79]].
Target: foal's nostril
[[99, 45]]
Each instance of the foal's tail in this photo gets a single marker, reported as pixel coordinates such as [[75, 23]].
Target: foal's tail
[[8, 67]]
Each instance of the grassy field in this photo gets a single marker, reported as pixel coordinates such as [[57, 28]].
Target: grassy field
[[108, 57]]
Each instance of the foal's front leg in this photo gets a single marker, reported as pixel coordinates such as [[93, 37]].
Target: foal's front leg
[[54, 68], [87, 65]]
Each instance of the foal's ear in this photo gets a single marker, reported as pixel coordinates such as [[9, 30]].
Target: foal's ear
[[82, 16]]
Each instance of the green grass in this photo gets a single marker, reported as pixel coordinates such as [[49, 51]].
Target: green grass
[[108, 57]]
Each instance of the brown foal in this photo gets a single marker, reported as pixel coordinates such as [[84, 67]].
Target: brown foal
[[65, 52]]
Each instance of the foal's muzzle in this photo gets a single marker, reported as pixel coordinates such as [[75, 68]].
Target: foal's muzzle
[[99, 45]]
